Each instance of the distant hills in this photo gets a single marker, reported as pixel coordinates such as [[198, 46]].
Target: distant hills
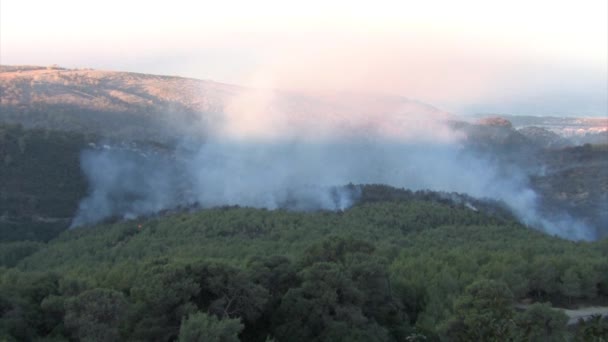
[[138, 106], [569, 177], [91, 105], [558, 131], [391, 265], [149, 107], [115, 104]]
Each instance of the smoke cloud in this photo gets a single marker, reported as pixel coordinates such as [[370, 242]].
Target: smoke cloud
[[274, 150]]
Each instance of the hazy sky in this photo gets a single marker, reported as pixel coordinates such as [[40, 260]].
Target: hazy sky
[[521, 57]]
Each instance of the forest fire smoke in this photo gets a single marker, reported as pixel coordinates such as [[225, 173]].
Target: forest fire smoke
[[276, 150]]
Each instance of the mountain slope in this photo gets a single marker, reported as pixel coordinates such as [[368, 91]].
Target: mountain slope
[[385, 269], [41, 182], [161, 109], [148, 107], [115, 104]]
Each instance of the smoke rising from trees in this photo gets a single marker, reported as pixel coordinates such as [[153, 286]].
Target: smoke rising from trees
[[261, 154]]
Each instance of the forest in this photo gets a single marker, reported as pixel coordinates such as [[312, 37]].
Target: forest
[[397, 266], [41, 182], [410, 267]]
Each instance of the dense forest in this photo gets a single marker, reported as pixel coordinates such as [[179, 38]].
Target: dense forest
[[398, 266], [41, 182]]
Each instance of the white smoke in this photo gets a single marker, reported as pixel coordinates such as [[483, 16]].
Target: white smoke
[[274, 154]]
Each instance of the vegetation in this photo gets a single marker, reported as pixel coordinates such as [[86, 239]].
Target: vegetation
[[119, 105], [414, 266], [37, 205], [398, 266]]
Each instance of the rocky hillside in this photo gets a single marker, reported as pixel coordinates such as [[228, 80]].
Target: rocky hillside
[[115, 104], [124, 106], [544, 137], [570, 130], [568, 178], [149, 107], [109, 91], [575, 179]]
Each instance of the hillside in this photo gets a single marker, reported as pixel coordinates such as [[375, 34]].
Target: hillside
[[573, 130], [158, 263], [41, 182], [133, 106], [37, 206], [115, 104], [568, 178], [575, 179], [171, 111], [382, 270]]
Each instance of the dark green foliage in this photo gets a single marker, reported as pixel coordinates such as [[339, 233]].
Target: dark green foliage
[[22, 314], [228, 292], [96, 315], [201, 327], [594, 329], [162, 294], [540, 322], [416, 267], [327, 304], [484, 313], [123, 125], [571, 284], [41, 182], [344, 294], [12, 252]]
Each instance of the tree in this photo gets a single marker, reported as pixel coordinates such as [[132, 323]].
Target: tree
[[325, 295], [571, 284], [336, 249], [95, 315], [540, 322], [329, 306], [484, 313], [543, 277], [228, 292], [593, 329], [202, 327], [163, 294]]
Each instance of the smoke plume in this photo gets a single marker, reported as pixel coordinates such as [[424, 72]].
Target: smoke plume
[[275, 150]]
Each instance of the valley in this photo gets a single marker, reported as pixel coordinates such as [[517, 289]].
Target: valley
[[142, 207]]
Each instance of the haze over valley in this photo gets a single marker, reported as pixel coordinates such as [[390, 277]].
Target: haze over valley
[[314, 171], [159, 142]]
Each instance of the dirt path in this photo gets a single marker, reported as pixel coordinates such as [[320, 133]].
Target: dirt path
[[584, 313], [574, 315]]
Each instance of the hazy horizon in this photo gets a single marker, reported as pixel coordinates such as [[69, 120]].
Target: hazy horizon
[[545, 58]]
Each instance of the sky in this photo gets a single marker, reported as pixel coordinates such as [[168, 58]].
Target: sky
[[541, 57]]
